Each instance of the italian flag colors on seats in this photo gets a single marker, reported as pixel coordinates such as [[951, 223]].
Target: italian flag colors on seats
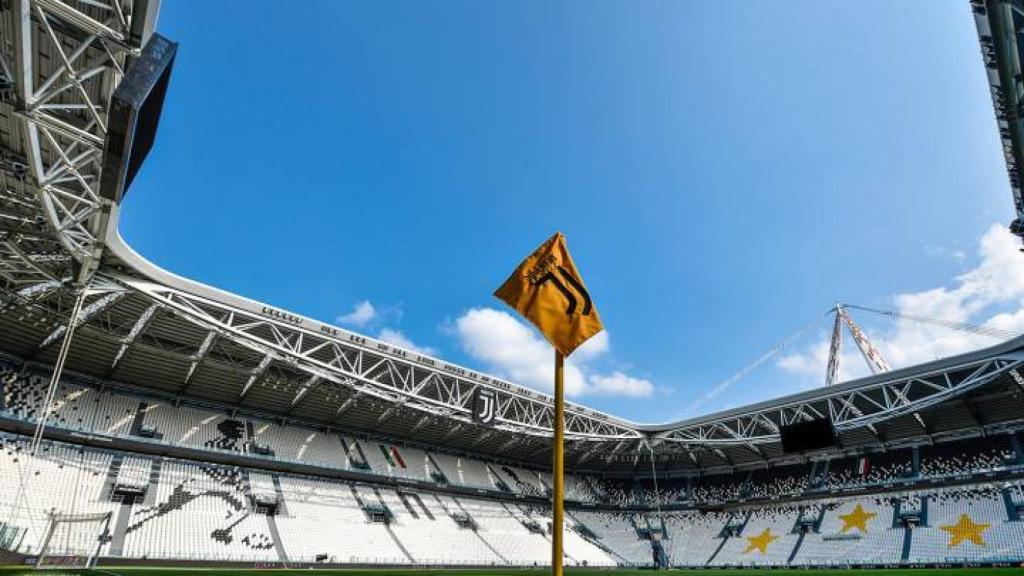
[[392, 456], [863, 466]]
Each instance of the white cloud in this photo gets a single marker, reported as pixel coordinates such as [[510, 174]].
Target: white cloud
[[598, 345], [810, 363], [619, 384], [362, 314], [515, 351], [366, 316], [942, 252], [990, 294], [397, 338]]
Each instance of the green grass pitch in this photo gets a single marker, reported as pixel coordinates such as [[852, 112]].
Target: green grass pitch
[[127, 571]]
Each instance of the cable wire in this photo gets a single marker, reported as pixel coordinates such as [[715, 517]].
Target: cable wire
[[988, 331]]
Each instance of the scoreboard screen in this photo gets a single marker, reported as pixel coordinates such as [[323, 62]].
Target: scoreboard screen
[[808, 435], [134, 116]]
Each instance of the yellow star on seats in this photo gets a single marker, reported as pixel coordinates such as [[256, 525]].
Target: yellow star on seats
[[857, 519], [965, 529], [760, 542]]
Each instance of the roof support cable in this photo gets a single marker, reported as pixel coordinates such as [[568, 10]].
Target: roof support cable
[[657, 495], [996, 333], [871, 355], [749, 368], [37, 437]]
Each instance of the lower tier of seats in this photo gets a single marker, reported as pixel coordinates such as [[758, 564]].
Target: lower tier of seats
[[135, 506]]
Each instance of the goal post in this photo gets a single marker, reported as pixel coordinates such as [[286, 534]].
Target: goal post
[[73, 540]]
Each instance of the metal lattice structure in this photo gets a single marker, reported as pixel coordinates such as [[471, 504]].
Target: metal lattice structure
[[998, 23], [862, 405], [68, 59], [369, 368], [145, 328]]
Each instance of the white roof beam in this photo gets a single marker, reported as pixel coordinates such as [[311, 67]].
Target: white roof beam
[[30, 293], [304, 390], [137, 329], [86, 314], [348, 403], [197, 359], [423, 421], [256, 374]]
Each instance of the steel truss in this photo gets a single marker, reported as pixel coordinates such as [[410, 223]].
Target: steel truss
[[394, 380], [372, 369], [66, 60], [29, 252], [849, 407], [63, 107], [998, 23]]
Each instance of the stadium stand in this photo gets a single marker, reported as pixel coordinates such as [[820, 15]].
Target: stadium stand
[[695, 536], [316, 509], [781, 481], [766, 538], [853, 530], [193, 425], [382, 502], [868, 469], [299, 445], [618, 532], [719, 487], [967, 525], [971, 455], [199, 511]]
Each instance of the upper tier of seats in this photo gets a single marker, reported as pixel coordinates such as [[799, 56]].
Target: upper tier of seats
[[82, 406], [972, 455]]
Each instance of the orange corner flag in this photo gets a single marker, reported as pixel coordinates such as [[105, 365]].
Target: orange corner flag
[[547, 290]]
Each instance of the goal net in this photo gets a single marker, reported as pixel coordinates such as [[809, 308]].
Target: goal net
[[73, 540], [10, 536]]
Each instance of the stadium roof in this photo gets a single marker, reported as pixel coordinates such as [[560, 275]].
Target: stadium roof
[[999, 24], [142, 326]]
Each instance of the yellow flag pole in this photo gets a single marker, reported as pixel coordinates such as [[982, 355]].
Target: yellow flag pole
[[557, 468]]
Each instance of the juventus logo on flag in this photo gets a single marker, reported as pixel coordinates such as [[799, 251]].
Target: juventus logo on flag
[[548, 290], [485, 406]]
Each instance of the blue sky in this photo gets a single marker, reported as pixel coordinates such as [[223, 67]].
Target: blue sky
[[723, 171]]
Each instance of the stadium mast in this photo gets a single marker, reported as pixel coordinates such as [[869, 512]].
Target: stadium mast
[[871, 355], [876, 363]]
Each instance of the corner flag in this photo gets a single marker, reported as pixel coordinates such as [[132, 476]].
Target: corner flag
[[547, 290]]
